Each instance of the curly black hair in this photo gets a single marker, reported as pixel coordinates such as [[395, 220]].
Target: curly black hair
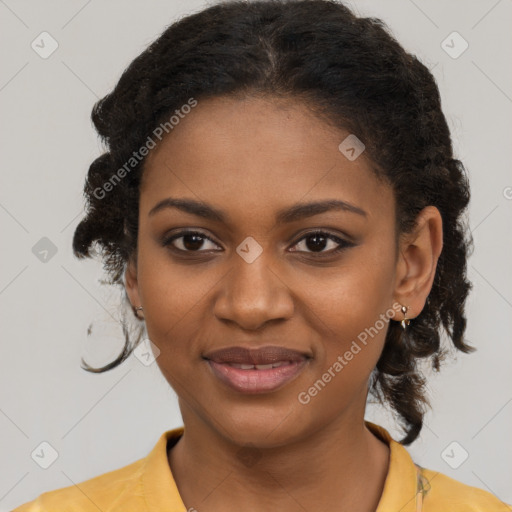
[[354, 74]]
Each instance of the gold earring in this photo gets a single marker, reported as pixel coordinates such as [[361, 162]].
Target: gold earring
[[405, 322]]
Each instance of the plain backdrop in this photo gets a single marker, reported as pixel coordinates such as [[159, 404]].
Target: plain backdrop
[[48, 299]]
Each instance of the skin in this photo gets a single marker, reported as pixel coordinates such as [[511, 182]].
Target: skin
[[251, 158]]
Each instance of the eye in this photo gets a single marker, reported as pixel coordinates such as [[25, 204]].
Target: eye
[[188, 241], [313, 242], [317, 241]]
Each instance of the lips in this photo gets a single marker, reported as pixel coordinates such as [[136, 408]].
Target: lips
[[268, 355], [255, 371]]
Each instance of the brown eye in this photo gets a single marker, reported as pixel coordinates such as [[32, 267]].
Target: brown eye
[[189, 241], [317, 241]]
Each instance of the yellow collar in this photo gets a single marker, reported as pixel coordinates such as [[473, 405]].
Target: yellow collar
[[399, 494]]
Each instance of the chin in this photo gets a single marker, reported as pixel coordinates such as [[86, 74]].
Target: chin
[[261, 426]]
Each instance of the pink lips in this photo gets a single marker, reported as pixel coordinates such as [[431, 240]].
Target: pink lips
[[256, 370]]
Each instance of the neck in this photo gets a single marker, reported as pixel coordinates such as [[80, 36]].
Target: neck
[[343, 466]]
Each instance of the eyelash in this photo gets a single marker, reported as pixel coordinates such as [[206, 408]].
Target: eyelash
[[343, 244]]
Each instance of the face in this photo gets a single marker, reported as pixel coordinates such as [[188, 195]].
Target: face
[[254, 276]]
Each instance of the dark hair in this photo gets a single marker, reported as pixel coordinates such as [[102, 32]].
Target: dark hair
[[355, 75]]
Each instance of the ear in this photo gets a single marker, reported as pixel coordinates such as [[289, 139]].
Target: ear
[[131, 283], [417, 260]]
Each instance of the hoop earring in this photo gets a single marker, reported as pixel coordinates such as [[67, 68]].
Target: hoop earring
[[406, 321]]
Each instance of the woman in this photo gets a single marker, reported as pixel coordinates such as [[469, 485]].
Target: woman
[[280, 201]]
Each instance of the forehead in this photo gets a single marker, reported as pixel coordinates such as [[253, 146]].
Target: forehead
[[260, 155]]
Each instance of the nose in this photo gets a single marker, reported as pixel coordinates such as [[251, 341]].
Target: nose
[[253, 294]]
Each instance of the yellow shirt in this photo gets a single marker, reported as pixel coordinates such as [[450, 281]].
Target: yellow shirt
[[147, 485]]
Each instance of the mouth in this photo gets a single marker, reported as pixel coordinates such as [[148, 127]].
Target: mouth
[[255, 371]]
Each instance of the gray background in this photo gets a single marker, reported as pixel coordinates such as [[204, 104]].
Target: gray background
[[97, 423]]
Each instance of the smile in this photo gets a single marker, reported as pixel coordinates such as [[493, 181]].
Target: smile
[[257, 378]]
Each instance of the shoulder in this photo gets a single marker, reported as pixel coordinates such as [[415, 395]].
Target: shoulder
[[442, 491], [411, 488], [143, 484], [122, 485]]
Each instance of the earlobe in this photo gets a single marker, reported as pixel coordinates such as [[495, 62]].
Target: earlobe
[[419, 254], [132, 284]]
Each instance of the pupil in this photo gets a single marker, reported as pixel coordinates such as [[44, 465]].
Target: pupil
[[316, 245], [197, 242]]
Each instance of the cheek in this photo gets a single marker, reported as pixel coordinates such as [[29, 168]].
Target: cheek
[[351, 339], [351, 296], [171, 292], [349, 309], [173, 303]]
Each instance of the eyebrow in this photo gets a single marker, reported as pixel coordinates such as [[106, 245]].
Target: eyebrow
[[296, 212]]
